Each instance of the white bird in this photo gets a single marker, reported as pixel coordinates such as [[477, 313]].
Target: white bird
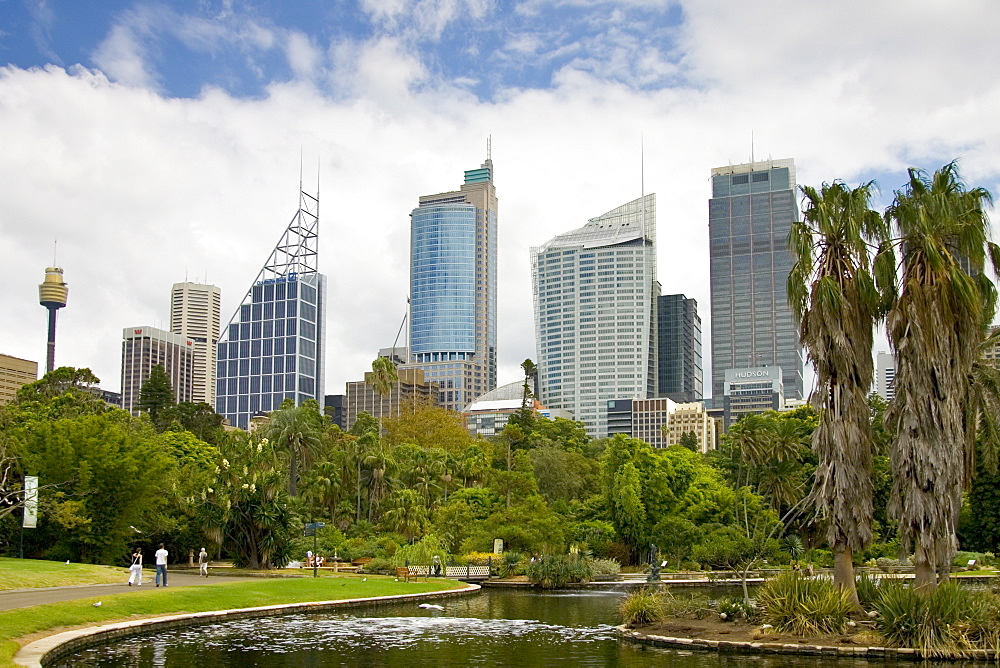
[[67, 562], [430, 606], [364, 579], [98, 604]]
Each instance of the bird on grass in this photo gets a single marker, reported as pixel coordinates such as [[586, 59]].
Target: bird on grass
[[98, 604]]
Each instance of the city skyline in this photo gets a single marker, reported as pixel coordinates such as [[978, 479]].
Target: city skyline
[[392, 102]]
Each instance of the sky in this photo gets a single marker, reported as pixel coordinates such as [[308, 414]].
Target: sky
[[162, 141]]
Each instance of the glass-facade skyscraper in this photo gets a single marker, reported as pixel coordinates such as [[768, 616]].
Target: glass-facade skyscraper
[[453, 289], [751, 212], [273, 348], [679, 370], [595, 293]]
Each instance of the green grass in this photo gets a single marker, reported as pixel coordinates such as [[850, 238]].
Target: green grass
[[222, 596], [25, 573]]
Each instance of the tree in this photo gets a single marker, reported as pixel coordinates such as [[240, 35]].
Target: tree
[[198, 418], [156, 396], [113, 472], [530, 370], [296, 430], [247, 506], [689, 440], [836, 301], [935, 329], [383, 378], [427, 426]]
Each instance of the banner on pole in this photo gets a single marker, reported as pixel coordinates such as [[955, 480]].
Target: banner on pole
[[30, 502]]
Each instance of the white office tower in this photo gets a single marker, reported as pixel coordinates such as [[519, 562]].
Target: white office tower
[[195, 313], [885, 375], [595, 296]]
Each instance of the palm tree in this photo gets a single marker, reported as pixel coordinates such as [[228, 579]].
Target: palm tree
[[296, 429], [382, 379], [935, 328], [836, 301]]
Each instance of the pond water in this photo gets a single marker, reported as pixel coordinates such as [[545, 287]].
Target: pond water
[[497, 627]]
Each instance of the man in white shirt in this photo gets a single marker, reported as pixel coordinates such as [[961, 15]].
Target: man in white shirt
[[161, 565]]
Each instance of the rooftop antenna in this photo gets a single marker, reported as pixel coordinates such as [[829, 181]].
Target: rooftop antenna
[[55, 247], [642, 181], [751, 148], [489, 147]]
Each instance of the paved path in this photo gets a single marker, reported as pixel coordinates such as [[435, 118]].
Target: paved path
[[23, 598]]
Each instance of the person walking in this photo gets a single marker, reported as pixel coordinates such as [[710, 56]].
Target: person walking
[[161, 565], [203, 563], [135, 568]]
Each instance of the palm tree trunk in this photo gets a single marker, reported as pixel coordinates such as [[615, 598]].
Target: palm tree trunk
[[924, 575], [293, 473], [843, 572]]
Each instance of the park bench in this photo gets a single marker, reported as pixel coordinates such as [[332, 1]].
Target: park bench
[[406, 572]]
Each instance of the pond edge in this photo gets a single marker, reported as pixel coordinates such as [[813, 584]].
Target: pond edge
[[832, 651], [51, 648]]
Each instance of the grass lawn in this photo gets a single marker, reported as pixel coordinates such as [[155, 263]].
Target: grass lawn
[[25, 573], [222, 596]]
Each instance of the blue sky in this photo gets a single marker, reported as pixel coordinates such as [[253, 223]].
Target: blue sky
[[162, 140], [243, 47]]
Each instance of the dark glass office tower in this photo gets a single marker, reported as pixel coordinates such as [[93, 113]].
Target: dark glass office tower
[[453, 289], [750, 214], [273, 348], [680, 375]]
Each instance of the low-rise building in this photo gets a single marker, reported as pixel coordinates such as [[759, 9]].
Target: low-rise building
[[15, 373]]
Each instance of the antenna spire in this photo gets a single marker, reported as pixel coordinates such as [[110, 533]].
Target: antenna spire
[[489, 147]]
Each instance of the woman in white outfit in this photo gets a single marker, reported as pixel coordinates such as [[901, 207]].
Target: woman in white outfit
[[135, 569]]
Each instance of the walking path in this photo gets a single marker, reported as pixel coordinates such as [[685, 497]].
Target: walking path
[[23, 598]]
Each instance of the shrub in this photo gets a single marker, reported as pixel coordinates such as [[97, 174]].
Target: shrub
[[604, 566], [510, 563], [642, 607], [734, 607], [951, 618], [478, 558], [982, 558], [869, 590], [552, 571], [803, 605]]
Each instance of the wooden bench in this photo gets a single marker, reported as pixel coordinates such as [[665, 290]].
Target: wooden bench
[[406, 573]]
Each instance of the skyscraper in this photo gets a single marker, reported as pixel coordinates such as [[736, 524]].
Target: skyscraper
[[679, 349], [273, 348], [453, 288], [595, 295], [750, 214], [194, 313], [145, 347]]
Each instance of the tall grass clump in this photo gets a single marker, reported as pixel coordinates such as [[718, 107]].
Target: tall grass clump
[[950, 619], [869, 590], [642, 607], [803, 606], [553, 571]]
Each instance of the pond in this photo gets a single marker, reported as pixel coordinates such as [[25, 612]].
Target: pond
[[497, 627]]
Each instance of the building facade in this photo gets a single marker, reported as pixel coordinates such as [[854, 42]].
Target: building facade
[[145, 347], [411, 386], [274, 346], [752, 391], [15, 373], [885, 375], [453, 289], [691, 418], [751, 213], [680, 375], [195, 311], [595, 292]]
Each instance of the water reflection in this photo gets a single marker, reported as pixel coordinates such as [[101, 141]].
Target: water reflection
[[494, 628]]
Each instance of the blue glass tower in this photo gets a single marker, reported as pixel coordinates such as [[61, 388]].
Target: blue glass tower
[[453, 250], [273, 348]]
